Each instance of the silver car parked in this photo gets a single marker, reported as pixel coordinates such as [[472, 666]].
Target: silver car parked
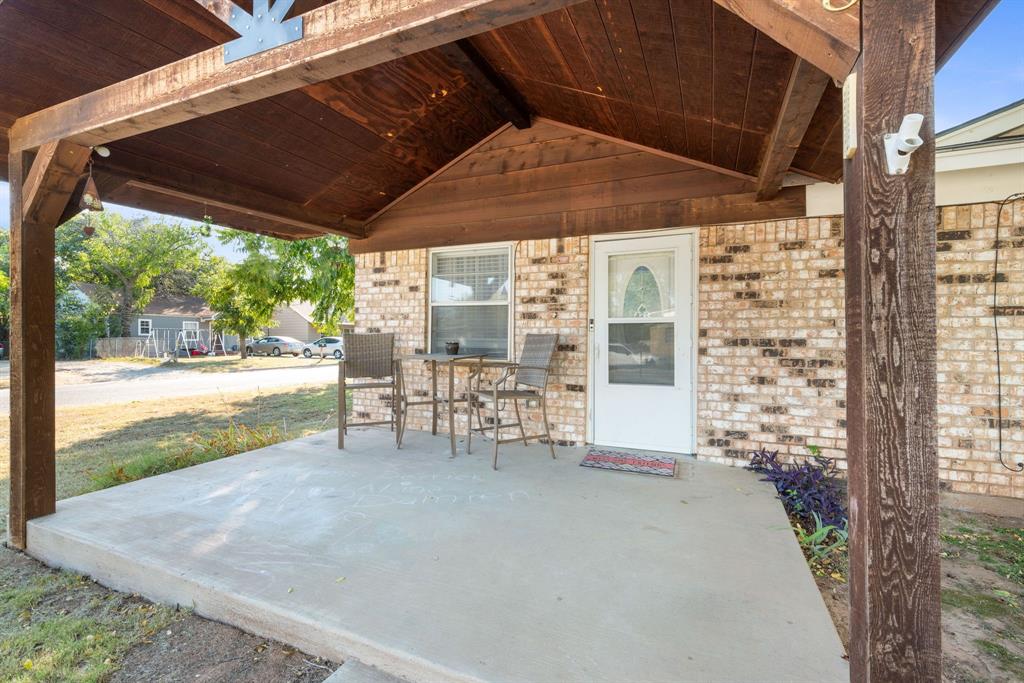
[[325, 346], [274, 346]]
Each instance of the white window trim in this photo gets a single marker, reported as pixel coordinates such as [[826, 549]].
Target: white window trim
[[185, 325], [511, 303], [148, 321]]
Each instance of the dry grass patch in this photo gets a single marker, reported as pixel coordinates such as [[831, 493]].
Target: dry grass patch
[[94, 439]]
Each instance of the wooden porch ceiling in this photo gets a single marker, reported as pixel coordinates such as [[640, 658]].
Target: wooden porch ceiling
[[687, 77]]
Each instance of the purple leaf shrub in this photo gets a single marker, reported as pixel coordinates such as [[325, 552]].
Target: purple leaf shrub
[[805, 488]]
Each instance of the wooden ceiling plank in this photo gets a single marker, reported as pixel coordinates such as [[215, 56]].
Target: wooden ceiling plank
[[734, 43], [505, 99], [561, 34], [693, 30], [342, 37], [803, 93], [660, 152], [829, 40], [621, 30]]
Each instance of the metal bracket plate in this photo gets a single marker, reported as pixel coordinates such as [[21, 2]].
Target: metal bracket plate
[[262, 30]]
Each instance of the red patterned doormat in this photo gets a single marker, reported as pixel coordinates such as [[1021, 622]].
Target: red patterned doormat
[[624, 461]]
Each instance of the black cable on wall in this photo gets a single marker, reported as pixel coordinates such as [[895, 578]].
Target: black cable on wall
[[995, 324]]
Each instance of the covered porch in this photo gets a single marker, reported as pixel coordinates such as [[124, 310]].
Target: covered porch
[[385, 123], [441, 569]]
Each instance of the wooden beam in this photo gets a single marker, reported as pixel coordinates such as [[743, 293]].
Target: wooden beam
[[340, 38], [348, 228], [40, 189], [199, 189], [51, 181], [745, 207], [828, 40], [891, 381], [219, 8], [496, 89], [803, 93], [949, 41]]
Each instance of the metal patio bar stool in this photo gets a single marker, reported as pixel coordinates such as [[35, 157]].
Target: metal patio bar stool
[[371, 357], [528, 380]]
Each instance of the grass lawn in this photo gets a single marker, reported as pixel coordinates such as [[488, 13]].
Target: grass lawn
[[92, 439], [58, 626]]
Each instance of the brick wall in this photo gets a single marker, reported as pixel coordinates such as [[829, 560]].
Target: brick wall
[[771, 339], [550, 296], [770, 363]]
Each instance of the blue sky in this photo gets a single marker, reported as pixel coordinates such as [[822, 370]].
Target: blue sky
[[986, 73]]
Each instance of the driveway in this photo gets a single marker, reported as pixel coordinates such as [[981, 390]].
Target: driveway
[[169, 384]]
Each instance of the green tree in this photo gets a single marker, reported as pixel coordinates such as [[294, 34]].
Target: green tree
[[328, 280], [318, 270], [243, 295], [125, 257], [78, 323], [68, 243]]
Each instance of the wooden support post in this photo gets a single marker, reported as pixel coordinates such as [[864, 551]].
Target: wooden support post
[[891, 393], [39, 195]]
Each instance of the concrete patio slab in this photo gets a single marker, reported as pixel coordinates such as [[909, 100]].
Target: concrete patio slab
[[438, 569]]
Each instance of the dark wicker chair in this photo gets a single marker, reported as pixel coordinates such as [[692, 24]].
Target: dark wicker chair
[[526, 380], [371, 357]]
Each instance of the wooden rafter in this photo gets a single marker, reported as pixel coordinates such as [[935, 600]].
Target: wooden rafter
[[340, 38], [198, 189], [502, 96], [828, 40], [803, 93], [290, 217]]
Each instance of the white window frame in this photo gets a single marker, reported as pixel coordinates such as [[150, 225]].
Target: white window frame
[[190, 325], [490, 246], [149, 323]]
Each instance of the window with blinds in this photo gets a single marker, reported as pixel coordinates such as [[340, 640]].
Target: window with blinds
[[469, 300]]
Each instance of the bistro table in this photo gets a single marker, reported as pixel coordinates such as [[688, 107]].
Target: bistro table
[[452, 360]]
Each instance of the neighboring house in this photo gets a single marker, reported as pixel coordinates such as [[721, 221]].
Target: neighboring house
[[713, 340], [168, 320], [296, 320]]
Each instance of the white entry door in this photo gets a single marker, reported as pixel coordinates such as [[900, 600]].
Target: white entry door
[[644, 343]]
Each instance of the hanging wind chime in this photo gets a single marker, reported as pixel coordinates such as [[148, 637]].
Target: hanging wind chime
[[90, 202]]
